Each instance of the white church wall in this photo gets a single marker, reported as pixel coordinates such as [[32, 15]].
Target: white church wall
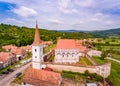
[[66, 55]]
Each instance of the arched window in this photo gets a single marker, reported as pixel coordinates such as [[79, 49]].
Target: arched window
[[35, 50]]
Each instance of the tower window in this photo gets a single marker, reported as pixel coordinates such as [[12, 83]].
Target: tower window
[[35, 50]]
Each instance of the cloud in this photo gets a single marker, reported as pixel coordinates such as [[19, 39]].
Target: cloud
[[24, 11], [13, 21], [66, 14], [56, 21], [84, 3], [64, 6]]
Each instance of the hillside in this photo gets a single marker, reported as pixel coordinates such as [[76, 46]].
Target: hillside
[[111, 32], [11, 34], [102, 33]]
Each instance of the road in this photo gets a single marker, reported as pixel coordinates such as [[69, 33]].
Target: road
[[6, 80], [113, 59]]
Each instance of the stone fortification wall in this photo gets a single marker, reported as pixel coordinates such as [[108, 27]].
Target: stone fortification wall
[[102, 70]]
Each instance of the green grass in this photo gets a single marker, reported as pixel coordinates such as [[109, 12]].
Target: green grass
[[18, 80], [8, 67], [98, 60], [51, 58], [78, 76], [115, 70], [116, 56], [47, 49], [28, 56], [115, 74], [84, 61]]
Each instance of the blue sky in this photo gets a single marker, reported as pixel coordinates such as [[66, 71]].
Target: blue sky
[[62, 14]]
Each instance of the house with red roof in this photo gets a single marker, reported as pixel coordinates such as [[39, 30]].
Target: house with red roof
[[9, 47], [68, 51], [27, 48], [20, 53], [6, 59], [36, 77]]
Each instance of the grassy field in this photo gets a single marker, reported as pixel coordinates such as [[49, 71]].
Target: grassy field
[[115, 70], [84, 61], [113, 46]]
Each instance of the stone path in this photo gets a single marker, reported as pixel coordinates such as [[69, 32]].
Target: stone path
[[113, 59]]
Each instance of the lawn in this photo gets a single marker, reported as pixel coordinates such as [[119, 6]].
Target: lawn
[[115, 70], [113, 50], [47, 49], [84, 61]]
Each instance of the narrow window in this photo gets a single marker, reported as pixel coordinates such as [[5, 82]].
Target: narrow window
[[35, 50]]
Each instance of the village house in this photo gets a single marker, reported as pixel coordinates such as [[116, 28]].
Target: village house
[[6, 59], [20, 53], [27, 48], [35, 75], [68, 51], [94, 53], [9, 47]]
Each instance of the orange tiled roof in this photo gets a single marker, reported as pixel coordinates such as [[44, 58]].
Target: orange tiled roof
[[70, 44], [28, 47], [9, 47], [41, 77], [18, 51], [66, 44], [4, 56], [37, 40]]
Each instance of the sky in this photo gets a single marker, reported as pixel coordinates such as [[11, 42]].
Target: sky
[[86, 15]]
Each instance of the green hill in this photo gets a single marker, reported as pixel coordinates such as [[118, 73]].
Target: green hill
[[11, 34], [111, 32]]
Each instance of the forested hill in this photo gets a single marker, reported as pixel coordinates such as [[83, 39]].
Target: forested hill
[[111, 32], [11, 34]]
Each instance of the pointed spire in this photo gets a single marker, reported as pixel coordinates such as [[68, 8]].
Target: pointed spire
[[37, 40]]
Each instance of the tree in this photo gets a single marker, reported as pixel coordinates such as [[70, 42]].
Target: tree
[[103, 56]]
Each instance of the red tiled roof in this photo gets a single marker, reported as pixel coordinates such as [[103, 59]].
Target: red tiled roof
[[70, 44], [41, 77], [18, 51], [4, 56], [28, 47], [66, 44], [9, 47]]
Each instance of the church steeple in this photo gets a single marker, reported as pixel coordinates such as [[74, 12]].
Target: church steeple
[[37, 50], [37, 40]]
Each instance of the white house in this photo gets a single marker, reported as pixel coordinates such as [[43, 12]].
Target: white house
[[94, 53]]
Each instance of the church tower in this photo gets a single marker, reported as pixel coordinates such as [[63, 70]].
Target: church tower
[[37, 50]]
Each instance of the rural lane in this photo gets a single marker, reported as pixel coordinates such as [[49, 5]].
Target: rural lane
[[6, 80]]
